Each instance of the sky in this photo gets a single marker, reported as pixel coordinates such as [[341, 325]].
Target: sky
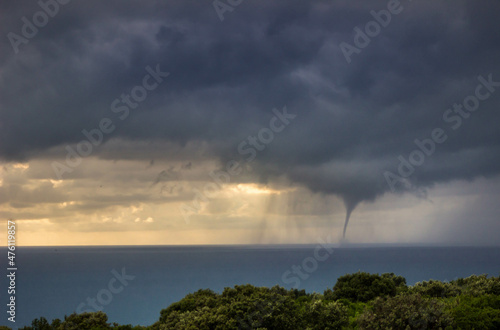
[[250, 122]]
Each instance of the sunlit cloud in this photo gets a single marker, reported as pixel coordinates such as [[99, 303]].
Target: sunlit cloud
[[308, 134]]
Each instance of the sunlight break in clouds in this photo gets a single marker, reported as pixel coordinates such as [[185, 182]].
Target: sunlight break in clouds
[[354, 122]]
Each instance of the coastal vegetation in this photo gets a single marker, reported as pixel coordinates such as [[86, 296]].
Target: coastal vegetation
[[356, 301]]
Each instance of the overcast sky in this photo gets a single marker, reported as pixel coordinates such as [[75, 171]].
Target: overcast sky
[[229, 122]]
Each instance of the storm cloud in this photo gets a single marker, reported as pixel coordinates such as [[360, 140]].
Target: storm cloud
[[355, 121]]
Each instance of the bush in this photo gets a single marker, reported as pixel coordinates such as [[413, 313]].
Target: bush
[[406, 311], [365, 287], [436, 289], [473, 285], [326, 315], [360, 300], [471, 312], [241, 307], [477, 285], [189, 303], [41, 324], [85, 321]]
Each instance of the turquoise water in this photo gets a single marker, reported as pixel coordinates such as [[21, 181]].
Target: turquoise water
[[132, 284]]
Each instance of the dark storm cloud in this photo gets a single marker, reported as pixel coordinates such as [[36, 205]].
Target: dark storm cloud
[[353, 120]]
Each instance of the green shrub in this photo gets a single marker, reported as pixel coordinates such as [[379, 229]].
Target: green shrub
[[406, 311], [365, 287], [326, 315], [357, 301], [471, 312], [436, 289]]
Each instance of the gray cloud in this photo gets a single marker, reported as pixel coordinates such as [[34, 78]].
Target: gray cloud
[[353, 120]]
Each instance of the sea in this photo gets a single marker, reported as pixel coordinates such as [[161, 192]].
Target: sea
[[132, 284]]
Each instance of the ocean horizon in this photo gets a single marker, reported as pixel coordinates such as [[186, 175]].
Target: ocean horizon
[[132, 284]]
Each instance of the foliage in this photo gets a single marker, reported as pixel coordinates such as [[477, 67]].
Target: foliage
[[41, 324], [243, 306], [436, 289], [357, 301], [405, 311], [354, 310], [473, 285], [365, 287], [479, 312], [326, 315], [85, 321], [478, 285]]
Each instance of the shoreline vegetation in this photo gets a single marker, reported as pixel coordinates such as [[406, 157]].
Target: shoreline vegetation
[[356, 301]]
